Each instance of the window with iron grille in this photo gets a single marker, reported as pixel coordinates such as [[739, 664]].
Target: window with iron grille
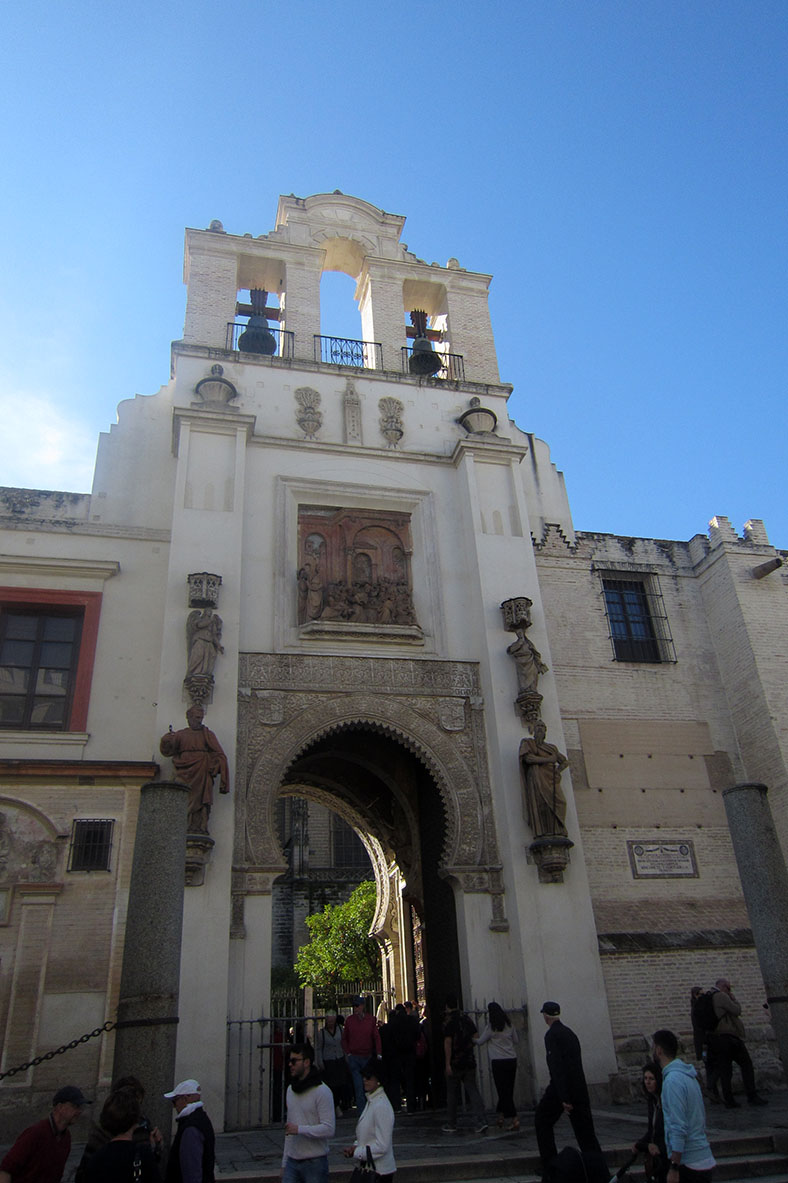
[[91, 844], [39, 653], [347, 848], [638, 624]]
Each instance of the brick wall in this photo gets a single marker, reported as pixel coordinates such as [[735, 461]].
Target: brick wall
[[652, 746]]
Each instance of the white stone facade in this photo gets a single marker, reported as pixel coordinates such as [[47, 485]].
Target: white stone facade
[[186, 483]]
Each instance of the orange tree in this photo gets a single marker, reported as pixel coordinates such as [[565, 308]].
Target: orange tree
[[340, 947]]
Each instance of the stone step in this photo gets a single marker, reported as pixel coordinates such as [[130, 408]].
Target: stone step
[[766, 1168], [739, 1160]]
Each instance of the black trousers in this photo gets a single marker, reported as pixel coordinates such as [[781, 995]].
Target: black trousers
[[548, 1111], [687, 1175], [730, 1050], [503, 1074]]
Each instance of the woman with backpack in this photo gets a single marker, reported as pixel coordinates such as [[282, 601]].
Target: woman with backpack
[[502, 1038]]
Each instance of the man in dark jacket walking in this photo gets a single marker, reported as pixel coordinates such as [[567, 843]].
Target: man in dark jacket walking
[[193, 1147], [567, 1091]]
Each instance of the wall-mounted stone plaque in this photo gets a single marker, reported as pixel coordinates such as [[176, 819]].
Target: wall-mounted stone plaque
[[662, 860]]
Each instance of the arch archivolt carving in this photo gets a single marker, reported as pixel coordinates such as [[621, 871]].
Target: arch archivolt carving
[[289, 702], [406, 700], [465, 837]]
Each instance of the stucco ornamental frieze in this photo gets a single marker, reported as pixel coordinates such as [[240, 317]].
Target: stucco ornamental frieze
[[451, 713]]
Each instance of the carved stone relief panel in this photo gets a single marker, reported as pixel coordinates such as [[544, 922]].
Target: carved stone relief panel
[[308, 417], [354, 567]]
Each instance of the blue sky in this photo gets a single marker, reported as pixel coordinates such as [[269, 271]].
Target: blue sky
[[619, 167]]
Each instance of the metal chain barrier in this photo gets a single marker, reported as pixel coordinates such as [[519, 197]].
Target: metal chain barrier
[[67, 1047]]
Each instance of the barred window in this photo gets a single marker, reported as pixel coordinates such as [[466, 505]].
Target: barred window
[[348, 849], [91, 844], [39, 652], [636, 615]]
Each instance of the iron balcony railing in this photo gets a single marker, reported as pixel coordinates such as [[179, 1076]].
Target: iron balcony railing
[[452, 365], [285, 341], [342, 351]]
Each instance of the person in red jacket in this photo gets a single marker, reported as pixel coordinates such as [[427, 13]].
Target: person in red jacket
[[40, 1152], [360, 1042]]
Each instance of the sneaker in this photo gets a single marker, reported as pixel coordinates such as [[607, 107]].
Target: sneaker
[[756, 1100], [482, 1129], [449, 1129]]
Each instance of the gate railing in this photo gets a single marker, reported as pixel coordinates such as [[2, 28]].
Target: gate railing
[[256, 1068]]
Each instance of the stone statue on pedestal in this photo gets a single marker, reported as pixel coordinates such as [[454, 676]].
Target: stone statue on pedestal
[[542, 764], [203, 641], [198, 758]]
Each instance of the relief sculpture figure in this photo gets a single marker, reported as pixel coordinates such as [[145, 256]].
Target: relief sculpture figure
[[314, 587], [541, 764], [198, 758]]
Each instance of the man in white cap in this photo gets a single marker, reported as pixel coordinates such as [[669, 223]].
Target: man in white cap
[[192, 1153]]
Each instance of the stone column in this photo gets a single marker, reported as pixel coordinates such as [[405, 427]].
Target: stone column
[[764, 880], [152, 950]]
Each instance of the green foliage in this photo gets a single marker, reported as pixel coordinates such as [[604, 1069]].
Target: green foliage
[[284, 979], [339, 946]]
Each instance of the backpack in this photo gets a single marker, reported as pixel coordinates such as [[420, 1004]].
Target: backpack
[[703, 1013], [462, 1043]]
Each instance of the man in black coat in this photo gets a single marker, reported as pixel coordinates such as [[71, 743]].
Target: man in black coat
[[567, 1091], [193, 1147]]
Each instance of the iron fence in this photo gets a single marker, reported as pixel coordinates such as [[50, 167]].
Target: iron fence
[[256, 1071], [452, 364], [343, 351]]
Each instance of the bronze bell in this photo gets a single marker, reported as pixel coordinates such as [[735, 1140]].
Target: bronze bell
[[423, 359], [257, 337]]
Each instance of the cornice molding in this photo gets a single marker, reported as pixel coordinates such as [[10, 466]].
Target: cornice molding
[[97, 569]]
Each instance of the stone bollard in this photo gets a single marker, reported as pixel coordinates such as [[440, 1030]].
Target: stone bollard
[[150, 976], [764, 880]]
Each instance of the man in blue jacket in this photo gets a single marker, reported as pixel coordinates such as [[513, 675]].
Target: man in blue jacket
[[691, 1160]]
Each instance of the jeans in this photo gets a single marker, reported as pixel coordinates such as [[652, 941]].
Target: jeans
[[355, 1064], [306, 1170]]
